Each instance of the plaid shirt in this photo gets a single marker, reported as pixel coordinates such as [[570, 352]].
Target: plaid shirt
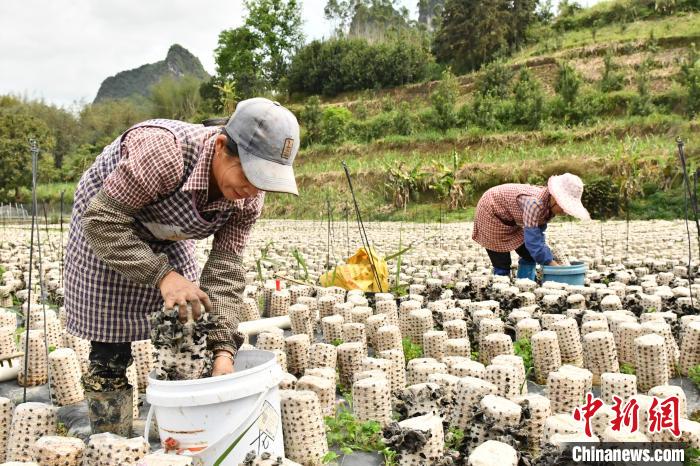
[[503, 211], [152, 167]]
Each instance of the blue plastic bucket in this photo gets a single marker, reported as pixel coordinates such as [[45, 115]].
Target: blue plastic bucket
[[574, 274]]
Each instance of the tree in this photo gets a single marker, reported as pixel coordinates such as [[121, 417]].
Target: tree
[[340, 12], [528, 102], [239, 59], [567, 84], [256, 55], [343, 64], [368, 19], [472, 32], [443, 100], [429, 12], [178, 99], [277, 24], [63, 124], [17, 127], [690, 77], [545, 11], [311, 120], [103, 121], [521, 14], [373, 20], [642, 103]]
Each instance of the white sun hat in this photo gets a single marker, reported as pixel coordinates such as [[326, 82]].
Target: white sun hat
[[567, 190]]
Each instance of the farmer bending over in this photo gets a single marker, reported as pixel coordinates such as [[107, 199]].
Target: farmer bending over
[[140, 206], [513, 217]]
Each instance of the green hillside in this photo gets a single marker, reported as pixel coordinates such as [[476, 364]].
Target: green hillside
[[137, 82], [619, 133]]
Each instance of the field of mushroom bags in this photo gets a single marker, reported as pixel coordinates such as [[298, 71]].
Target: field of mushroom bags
[[450, 366]]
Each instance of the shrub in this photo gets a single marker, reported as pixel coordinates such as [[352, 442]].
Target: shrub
[[490, 112], [373, 128], [601, 198], [528, 105], [567, 88], [495, 80], [642, 104], [311, 117], [75, 163], [611, 103], [690, 78], [360, 110], [612, 80], [342, 64], [567, 84], [334, 124], [404, 122], [443, 100], [588, 105]]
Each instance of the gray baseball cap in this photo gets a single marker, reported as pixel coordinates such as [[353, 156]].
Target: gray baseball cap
[[267, 136]]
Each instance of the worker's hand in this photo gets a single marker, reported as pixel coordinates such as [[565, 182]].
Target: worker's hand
[[554, 264], [178, 291], [223, 363]]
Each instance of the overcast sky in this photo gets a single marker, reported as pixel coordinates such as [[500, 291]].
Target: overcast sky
[[61, 50]]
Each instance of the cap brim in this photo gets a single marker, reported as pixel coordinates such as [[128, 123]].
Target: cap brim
[[570, 205], [266, 175], [575, 209]]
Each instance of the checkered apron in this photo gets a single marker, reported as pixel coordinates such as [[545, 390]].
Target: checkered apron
[[101, 304], [498, 222]]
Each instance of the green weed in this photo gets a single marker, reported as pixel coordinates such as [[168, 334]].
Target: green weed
[[626, 368], [411, 350], [346, 434]]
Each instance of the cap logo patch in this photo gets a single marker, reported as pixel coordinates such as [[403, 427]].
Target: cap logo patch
[[287, 149]]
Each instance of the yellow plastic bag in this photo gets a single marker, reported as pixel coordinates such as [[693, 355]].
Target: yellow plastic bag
[[357, 273]]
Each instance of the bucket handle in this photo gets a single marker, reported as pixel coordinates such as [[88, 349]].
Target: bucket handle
[[149, 418], [256, 408]]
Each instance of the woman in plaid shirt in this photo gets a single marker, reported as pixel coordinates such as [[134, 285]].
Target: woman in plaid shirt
[[138, 209], [514, 217]]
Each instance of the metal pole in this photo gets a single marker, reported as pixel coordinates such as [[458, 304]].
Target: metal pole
[[363, 233], [42, 292], [681, 155], [347, 227], [60, 264], [328, 233], [46, 225], [27, 316]]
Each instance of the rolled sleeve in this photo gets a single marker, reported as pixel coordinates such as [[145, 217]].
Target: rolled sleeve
[[532, 210], [536, 246], [151, 165], [223, 280], [223, 276], [109, 229], [233, 236]]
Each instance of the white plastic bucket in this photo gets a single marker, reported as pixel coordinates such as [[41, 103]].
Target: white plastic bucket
[[218, 420]]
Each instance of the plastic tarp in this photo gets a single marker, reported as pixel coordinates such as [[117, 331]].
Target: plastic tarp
[[357, 274]]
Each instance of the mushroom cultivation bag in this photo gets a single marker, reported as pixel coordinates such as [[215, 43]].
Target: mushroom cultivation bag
[[181, 347]]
